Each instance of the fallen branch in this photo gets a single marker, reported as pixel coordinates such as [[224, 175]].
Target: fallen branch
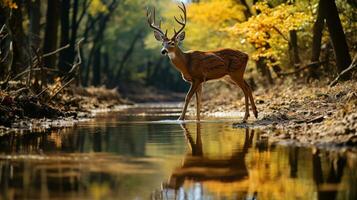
[[352, 65], [34, 69], [302, 68], [71, 72], [61, 88], [55, 51]]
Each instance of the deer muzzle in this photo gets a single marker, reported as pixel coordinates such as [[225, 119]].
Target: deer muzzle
[[164, 51]]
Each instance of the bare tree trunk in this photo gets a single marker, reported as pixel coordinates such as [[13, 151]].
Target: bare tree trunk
[[51, 36], [64, 62], [247, 12], [127, 54], [337, 36], [264, 70], [74, 28], [316, 40], [103, 20], [293, 45], [18, 37], [106, 68], [96, 80], [34, 12]]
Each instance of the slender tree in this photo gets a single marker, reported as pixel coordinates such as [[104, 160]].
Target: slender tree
[[338, 38], [128, 53], [51, 35], [328, 11], [64, 61], [96, 81], [34, 12], [316, 40], [18, 37]]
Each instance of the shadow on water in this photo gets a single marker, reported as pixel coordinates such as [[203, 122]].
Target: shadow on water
[[114, 157]]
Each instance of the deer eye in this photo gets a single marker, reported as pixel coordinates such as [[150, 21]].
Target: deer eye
[[171, 43]]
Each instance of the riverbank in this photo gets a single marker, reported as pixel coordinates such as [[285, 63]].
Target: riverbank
[[20, 110], [309, 114]]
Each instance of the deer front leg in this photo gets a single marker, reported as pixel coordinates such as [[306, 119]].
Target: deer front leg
[[198, 102], [189, 95]]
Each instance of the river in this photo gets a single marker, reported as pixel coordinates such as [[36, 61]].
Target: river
[[143, 153]]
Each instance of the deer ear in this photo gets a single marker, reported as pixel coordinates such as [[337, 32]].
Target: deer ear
[[180, 37], [158, 36]]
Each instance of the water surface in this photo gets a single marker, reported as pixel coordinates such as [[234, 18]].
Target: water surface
[[144, 153]]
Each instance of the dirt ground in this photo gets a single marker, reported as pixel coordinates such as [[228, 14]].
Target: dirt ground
[[309, 114]]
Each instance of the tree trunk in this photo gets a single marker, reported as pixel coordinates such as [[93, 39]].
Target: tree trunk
[[18, 37], [34, 12], [264, 70], [247, 12], [337, 36], [50, 40], [74, 29], [127, 54], [106, 68], [294, 47], [316, 40], [96, 67], [103, 20], [64, 62]]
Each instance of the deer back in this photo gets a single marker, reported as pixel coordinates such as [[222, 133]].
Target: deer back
[[215, 64]]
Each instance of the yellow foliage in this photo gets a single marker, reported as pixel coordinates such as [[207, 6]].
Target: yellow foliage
[[8, 3], [216, 13], [97, 6], [207, 22], [268, 31]]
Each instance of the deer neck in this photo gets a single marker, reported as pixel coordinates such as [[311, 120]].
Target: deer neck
[[179, 59]]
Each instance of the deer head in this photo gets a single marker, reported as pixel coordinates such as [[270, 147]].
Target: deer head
[[169, 45]]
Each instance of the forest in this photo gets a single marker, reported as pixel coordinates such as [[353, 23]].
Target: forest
[[63, 62], [309, 39]]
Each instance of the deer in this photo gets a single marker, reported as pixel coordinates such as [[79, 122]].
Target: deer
[[197, 67]]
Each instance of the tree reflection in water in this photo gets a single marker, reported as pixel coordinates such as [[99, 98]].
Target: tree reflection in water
[[128, 160]]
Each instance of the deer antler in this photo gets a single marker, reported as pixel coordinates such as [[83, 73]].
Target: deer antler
[[183, 20], [152, 23]]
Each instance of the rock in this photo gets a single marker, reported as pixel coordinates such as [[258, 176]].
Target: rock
[[259, 101], [318, 119]]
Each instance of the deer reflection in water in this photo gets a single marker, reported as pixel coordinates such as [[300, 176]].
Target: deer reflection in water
[[199, 168]]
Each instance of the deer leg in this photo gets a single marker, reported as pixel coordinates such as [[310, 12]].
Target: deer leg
[[241, 84], [251, 99], [198, 102], [189, 95]]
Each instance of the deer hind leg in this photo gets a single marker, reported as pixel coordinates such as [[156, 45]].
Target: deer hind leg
[[240, 82], [251, 99], [198, 102], [189, 95]]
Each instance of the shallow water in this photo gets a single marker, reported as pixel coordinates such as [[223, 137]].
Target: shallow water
[[144, 153]]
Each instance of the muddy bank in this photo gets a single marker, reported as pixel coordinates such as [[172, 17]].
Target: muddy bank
[[20, 110], [308, 114]]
